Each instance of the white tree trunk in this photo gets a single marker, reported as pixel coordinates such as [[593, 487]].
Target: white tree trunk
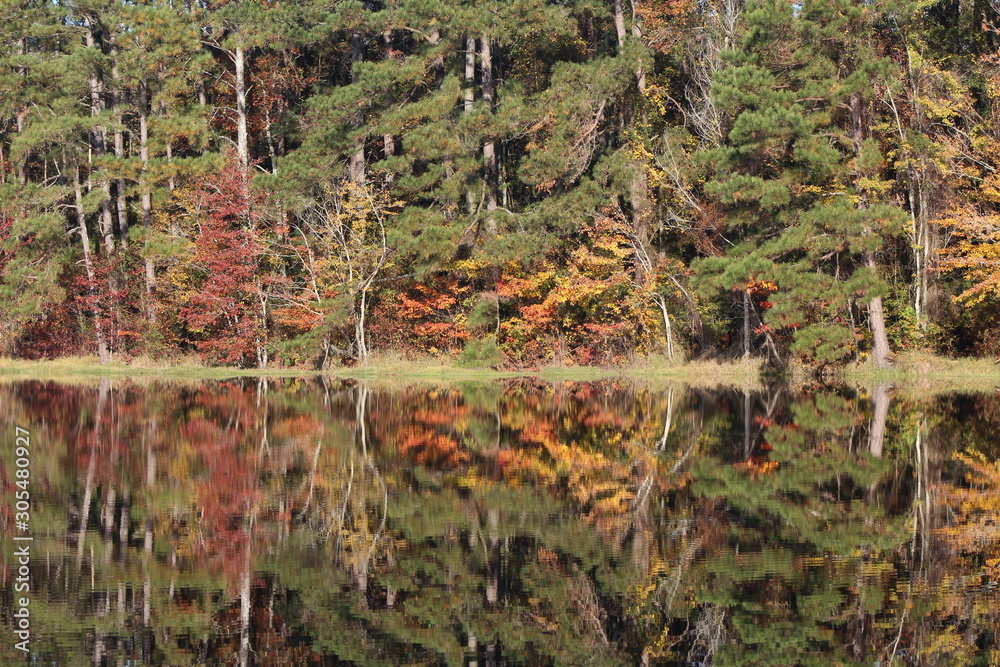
[[489, 148], [242, 137], [146, 196]]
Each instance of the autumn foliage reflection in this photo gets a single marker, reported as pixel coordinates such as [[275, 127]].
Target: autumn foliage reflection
[[261, 521]]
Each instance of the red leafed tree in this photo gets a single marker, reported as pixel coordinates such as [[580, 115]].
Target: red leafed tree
[[227, 311]]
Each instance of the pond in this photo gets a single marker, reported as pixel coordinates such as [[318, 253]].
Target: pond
[[314, 521]]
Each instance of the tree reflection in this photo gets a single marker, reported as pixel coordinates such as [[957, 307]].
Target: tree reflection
[[308, 521]]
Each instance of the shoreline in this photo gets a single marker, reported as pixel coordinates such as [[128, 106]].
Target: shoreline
[[389, 368], [916, 370]]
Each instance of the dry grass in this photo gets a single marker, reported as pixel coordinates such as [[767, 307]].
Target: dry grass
[[916, 373], [393, 367], [921, 372], [742, 373], [89, 367]]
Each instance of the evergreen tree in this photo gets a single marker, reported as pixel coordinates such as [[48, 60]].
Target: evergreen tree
[[803, 220]]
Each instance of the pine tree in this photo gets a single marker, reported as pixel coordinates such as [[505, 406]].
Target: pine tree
[[803, 224]]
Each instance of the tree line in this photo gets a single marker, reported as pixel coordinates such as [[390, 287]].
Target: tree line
[[514, 182]]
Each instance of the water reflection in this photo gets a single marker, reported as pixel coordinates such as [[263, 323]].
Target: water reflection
[[314, 521]]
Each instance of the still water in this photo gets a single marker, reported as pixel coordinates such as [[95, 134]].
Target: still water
[[325, 522]]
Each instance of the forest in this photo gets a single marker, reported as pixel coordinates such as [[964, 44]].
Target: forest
[[508, 184]]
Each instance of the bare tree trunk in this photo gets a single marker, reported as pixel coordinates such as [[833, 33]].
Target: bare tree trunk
[[470, 73], [271, 150], [146, 194], [99, 143], [242, 137], [388, 141], [880, 413], [19, 118], [876, 316], [489, 148], [104, 388], [619, 24], [22, 176], [746, 324], [918, 206], [360, 338], [640, 183], [168, 149], [81, 219], [438, 64], [245, 615], [470, 96], [493, 557], [151, 454], [116, 95], [746, 424], [109, 513], [357, 164], [263, 356], [123, 521], [667, 329], [473, 649], [88, 490], [880, 341]]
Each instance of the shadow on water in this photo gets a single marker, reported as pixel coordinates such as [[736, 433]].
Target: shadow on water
[[308, 521]]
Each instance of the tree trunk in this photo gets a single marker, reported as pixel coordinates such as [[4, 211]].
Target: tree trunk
[[880, 413], [88, 489], [918, 205], [438, 63], [880, 341], [489, 148], [263, 356], [123, 522], [19, 118], [168, 149], [22, 176], [746, 324], [388, 141], [923, 252], [244, 657], [99, 144], [470, 96], [116, 98], [667, 329], [619, 24], [104, 388], [357, 164], [109, 513], [470, 73], [81, 219], [271, 150], [360, 338], [640, 183], [876, 317], [242, 137], [146, 194], [746, 424]]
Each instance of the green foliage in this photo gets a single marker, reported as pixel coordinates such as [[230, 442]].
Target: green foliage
[[481, 354]]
